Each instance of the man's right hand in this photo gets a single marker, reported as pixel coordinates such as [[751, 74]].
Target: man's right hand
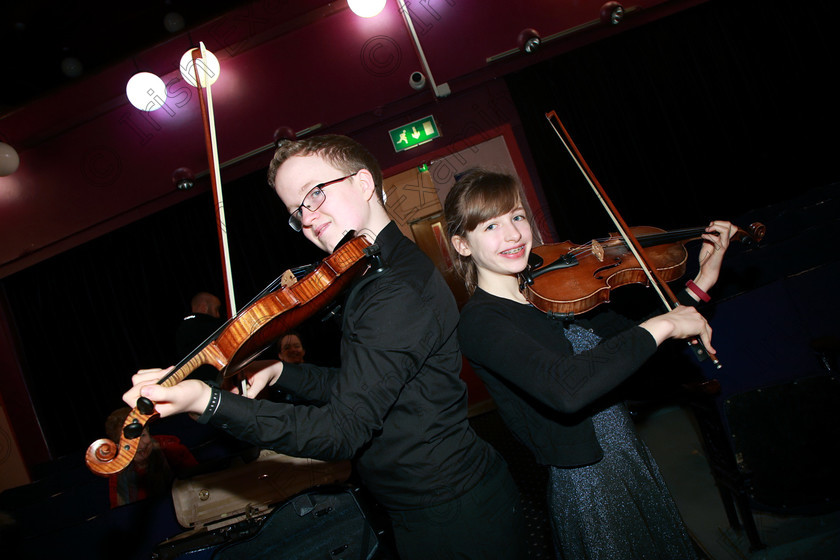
[[189, 395]]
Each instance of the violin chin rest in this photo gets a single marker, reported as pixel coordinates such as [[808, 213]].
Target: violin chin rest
[[347, 237]]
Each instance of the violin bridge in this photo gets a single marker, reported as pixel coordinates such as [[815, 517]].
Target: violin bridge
[[288, 279], [598, 250]]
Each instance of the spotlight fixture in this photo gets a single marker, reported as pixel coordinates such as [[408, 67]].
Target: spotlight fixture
[[284, 133], [528, 40], [612, 13], [183, 178]]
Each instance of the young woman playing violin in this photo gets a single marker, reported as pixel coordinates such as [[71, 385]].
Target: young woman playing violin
[[550, 379]]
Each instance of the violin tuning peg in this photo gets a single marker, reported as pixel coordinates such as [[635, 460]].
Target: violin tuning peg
[[145, 406], [133, 430]]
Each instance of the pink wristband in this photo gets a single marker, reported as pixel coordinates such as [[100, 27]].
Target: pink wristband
[[697, 291]]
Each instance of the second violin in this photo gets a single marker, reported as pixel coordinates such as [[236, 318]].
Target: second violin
[[565, 279]]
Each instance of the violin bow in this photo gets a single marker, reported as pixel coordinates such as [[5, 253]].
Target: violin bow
[[103, 457], [208, 118], [202, 82], [662, 289]]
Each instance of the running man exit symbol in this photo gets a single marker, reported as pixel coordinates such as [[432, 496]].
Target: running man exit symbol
[[414, 133]]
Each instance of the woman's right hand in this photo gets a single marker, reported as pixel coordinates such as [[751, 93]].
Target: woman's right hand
[[681, 322]]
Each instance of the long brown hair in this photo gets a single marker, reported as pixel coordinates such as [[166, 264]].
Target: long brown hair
[[477, 196]]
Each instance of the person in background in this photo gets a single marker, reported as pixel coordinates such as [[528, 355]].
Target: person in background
[[159, 459], [551, 378], [291, 348], [397, 405], [204, 319]]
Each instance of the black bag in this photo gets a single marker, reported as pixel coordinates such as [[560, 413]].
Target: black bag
[[327, 523], [322, 524]]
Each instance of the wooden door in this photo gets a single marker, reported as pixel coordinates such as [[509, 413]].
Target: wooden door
[[430, 235]]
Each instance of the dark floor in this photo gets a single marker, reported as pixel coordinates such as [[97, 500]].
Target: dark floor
[[672, 438], [73, 521], [530, 477]]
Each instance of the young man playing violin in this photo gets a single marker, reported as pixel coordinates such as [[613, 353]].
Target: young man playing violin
[[397, 405], [551, 379]]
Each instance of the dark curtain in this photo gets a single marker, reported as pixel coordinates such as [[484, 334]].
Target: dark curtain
[[724, 110], [92, 316], [705, 114]]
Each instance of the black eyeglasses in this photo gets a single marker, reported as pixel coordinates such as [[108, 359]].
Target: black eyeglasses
[[312, 201]]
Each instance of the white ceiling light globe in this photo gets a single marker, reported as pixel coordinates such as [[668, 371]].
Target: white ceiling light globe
[[9, 160], [146, 91], [366, 8], [208, 68]]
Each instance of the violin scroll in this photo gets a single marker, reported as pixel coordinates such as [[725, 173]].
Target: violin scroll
[[752, 235], [107, 458]]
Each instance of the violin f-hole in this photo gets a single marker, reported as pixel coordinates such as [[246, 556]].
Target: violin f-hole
[[597, 274]]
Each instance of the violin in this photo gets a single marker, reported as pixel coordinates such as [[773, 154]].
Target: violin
[[282, 305], [669, 299], [564, 279]]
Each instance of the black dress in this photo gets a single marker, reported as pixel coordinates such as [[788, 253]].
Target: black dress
[[606, 496], [620, 506]]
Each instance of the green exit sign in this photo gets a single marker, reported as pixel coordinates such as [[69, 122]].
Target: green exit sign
[[414, 133]]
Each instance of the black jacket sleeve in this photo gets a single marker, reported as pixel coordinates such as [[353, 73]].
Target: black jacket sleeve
[[518, 347]]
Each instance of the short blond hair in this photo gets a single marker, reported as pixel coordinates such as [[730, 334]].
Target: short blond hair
[[340, 151]]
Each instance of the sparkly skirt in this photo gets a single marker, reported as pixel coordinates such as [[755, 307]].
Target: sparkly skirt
[[618, 508]]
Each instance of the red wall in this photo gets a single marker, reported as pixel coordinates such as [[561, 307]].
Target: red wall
[[90, 162]]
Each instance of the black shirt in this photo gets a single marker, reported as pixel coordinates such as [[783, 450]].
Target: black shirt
[[545, 393], [193, 330], [397, 403]]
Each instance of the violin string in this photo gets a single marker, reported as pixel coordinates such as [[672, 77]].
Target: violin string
[[272, 286], [275, 284], [645, 240]]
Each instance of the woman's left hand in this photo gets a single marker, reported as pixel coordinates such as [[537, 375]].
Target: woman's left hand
[[711, 254]]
